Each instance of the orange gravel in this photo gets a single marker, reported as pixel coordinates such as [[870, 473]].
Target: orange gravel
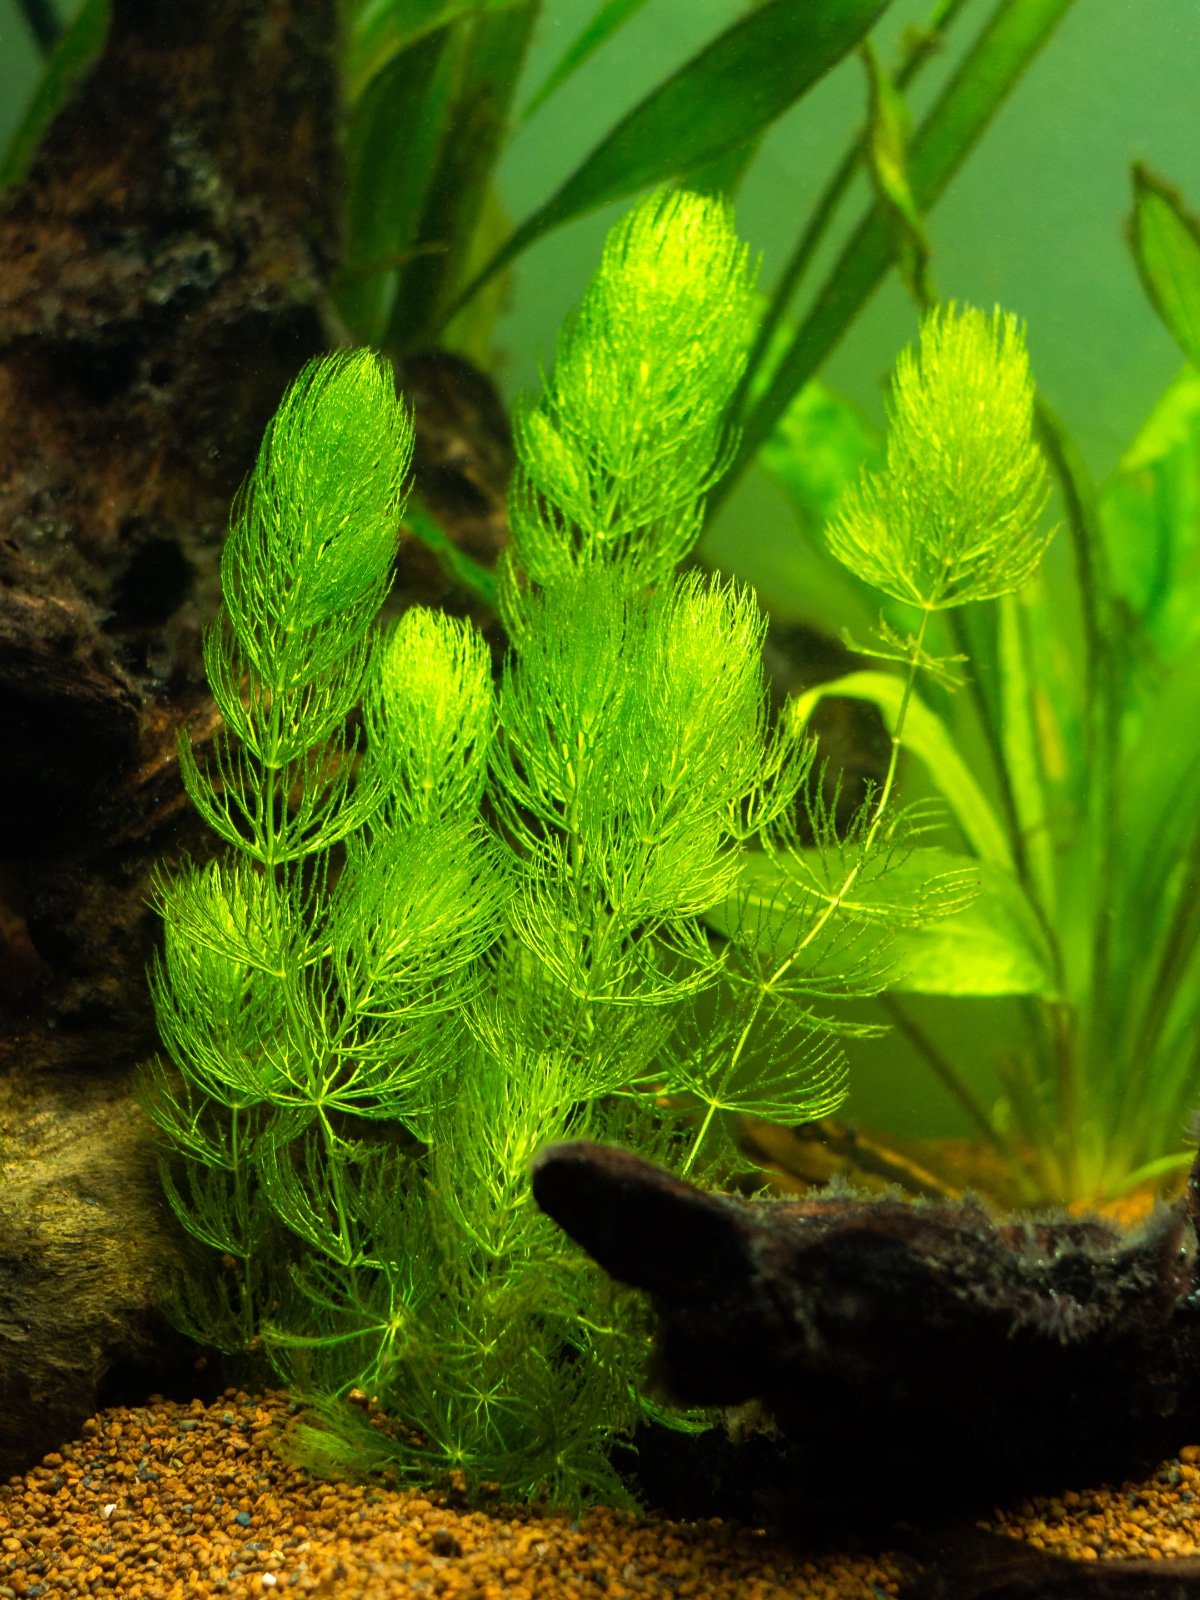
[[1156, 1519], [169, 1501]]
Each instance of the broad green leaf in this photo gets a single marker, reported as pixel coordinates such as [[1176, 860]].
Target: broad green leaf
[[490, 54], [78, 46], [393, 146], [1009, 41], [42, 19], [724, 175], [736, 86], [611, 16], [1022, 758], [994, 946], [383, 29], [927, 736], [1150, 509], [1166, 247], [920, 45]]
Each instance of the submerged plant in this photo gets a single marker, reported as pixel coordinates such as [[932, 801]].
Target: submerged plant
[[955, 515], [1069, 766], [481, 928]]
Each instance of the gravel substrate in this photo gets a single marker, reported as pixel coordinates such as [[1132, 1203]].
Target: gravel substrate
[[1156, 1519], [168, 1501]]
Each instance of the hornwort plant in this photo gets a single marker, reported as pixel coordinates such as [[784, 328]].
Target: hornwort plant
[[1070, 765], [481, 925]]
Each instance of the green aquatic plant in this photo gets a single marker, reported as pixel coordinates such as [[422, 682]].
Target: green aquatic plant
[[1069, 764], [476, 925], [954, 516], [616, 457]]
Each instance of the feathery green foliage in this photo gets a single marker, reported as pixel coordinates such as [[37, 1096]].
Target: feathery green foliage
[[616, 456], [1067, 766], [420, 961], [952, 517], [955, 516], [303, 574]]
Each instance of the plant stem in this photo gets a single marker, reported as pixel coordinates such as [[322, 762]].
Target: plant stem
[[1008, 42], [836, 899], [712, 1109], [918, 51]]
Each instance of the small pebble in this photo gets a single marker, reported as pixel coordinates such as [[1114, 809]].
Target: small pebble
[[171, 1502], [1157, 1519]]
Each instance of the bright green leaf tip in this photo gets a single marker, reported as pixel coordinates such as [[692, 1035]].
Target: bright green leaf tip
[[617, 454], [326, 494], [955, 515], [429, 715]]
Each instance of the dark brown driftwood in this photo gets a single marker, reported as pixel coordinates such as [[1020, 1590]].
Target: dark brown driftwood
[[911, 1356]]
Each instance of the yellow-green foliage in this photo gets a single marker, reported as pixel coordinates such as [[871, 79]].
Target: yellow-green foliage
[[617, 454], [955, 515], [367, 1043]]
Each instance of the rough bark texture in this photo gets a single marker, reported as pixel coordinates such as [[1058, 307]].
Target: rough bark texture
[[162, 274], [966, 1361]]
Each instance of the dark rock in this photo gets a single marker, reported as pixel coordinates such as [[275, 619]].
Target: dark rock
[[162, 278], [85, 1234], [163, 268], [909, 1355], [70, 716]]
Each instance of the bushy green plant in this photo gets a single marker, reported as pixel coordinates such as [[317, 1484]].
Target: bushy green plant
[[480, 927], [1070, 764]]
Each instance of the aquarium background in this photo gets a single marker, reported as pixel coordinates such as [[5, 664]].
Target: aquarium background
[[1034, 221]]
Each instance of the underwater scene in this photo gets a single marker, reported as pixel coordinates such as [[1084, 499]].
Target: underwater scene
[[600, 736]]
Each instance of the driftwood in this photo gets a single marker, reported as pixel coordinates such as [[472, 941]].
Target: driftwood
[[907, 1358]]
